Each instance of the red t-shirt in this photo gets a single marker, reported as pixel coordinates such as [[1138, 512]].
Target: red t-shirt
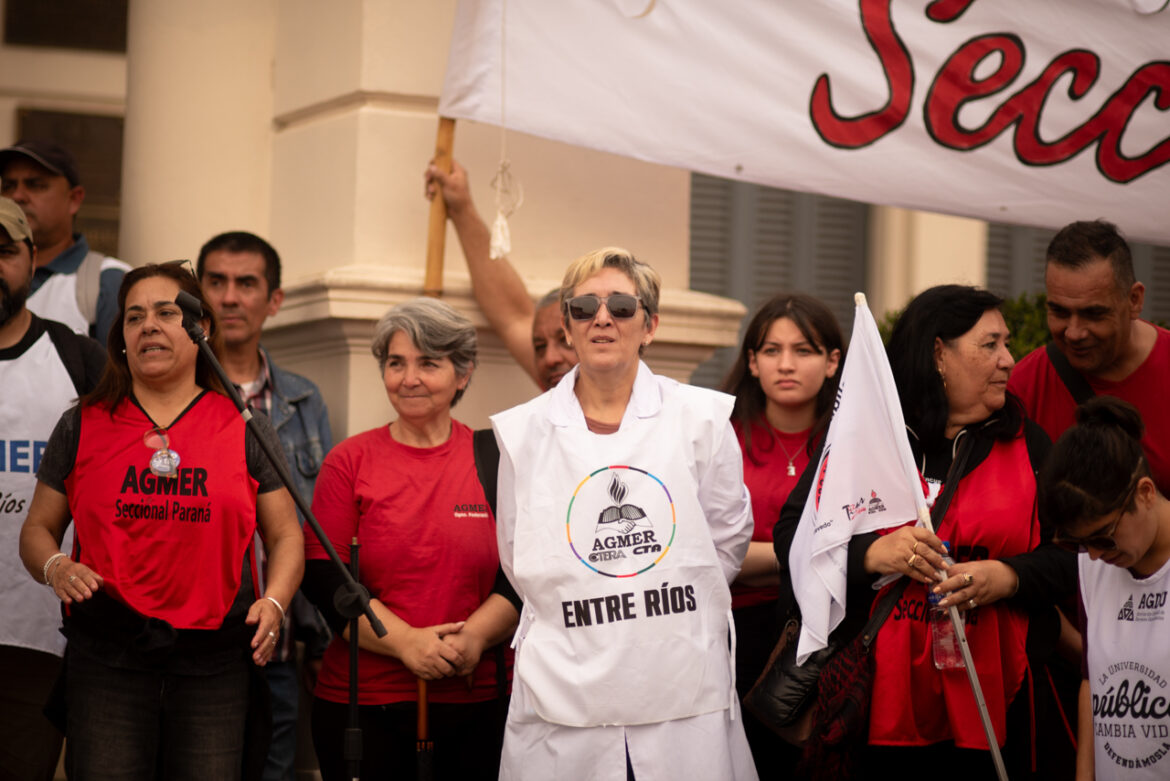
[[1048, 402], [428, 551], [769, 484]]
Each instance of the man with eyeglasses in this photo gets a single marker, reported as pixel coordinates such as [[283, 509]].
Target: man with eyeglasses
[[73, 284], [240, 275], [535, 336], [44, 367], [1100, 344]]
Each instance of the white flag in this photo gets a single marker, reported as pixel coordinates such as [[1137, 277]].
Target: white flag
[[865, 480]]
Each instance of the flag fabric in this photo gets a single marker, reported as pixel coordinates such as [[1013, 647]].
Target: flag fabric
[[1037, 112], [865, 480]]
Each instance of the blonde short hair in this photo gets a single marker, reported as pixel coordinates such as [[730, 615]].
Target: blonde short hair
[[647, 283]]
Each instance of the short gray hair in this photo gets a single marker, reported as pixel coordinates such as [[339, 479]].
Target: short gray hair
[[551, 298], [436, 329]]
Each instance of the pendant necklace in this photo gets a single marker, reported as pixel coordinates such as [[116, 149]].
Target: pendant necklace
[[164, 462], [791, 470]]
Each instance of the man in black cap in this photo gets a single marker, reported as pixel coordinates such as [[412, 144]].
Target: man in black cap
[[44, 366], [73, 284]]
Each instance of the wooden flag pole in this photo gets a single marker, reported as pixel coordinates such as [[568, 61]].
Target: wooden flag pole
[[437, 227]]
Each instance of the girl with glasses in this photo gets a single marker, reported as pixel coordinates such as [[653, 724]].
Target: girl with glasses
[[1097, 491], [622, 519]]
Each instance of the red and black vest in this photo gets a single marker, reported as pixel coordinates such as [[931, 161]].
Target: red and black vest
[[168, 548], [991, 516]]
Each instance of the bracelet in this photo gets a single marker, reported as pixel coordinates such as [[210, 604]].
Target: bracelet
[[278, 607], [48, 563]]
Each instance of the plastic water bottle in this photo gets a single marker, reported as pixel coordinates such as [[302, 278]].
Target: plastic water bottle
[[944, 641]]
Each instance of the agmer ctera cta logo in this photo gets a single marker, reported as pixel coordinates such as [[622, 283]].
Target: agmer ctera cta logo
[[616, 538]]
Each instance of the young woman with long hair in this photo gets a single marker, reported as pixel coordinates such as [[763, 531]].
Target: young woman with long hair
[[784, 382]]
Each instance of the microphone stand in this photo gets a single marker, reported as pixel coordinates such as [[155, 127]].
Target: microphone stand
[[352, 599], [351, 750]]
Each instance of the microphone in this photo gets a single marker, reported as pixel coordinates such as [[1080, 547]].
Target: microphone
[[192, 314]]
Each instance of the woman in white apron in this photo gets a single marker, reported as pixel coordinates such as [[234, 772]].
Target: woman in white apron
[[622, 519]]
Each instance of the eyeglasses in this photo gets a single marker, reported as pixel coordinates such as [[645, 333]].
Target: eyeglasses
[[1101, 539], [621, 306]]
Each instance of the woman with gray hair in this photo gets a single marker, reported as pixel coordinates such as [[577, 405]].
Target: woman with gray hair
[[409, 493]]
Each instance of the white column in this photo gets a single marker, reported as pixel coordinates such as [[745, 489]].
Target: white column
[[198, 138], [913, 250]]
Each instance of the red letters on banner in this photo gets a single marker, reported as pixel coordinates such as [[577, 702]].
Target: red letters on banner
[[955, 85]]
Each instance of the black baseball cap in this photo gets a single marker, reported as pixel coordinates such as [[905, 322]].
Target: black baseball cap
[[46, 154]]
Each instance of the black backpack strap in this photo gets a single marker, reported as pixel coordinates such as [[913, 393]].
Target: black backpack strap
[[487, 467], [83, 357], [1077, 385], [487, 463], [1038, 444]]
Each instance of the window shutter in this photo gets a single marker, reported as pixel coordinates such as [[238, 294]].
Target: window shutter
[[750, 242], [1015, 259]]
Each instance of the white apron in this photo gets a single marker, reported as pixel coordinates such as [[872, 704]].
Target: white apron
[[626, 615]]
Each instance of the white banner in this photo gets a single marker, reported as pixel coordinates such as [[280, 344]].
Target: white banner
[[865, 480], [1035, 112]]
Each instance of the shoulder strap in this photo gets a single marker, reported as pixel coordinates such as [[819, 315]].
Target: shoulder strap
[[1077, 385], [89, 276], [1037, 442], [487, 463], [68, 347], [487, 466]]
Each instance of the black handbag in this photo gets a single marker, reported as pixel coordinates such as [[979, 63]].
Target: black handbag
[[781, 697]]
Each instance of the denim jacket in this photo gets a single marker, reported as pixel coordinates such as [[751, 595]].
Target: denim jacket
[[302, 423]]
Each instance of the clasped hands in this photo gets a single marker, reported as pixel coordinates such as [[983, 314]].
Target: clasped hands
[[915, 552], [440, 651]]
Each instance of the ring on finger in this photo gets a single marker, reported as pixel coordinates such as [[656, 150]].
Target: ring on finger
[[910, 561], [972, 604], [914, 548], [968, 578], [72, 578]]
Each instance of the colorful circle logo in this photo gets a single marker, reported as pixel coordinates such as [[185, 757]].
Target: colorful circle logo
[[621, 521]]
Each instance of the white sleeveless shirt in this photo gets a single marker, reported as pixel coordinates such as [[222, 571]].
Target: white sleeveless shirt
[[37, 390]]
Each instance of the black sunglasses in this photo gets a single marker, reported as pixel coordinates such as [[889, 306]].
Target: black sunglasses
[[1102, 539], [621, 306]]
